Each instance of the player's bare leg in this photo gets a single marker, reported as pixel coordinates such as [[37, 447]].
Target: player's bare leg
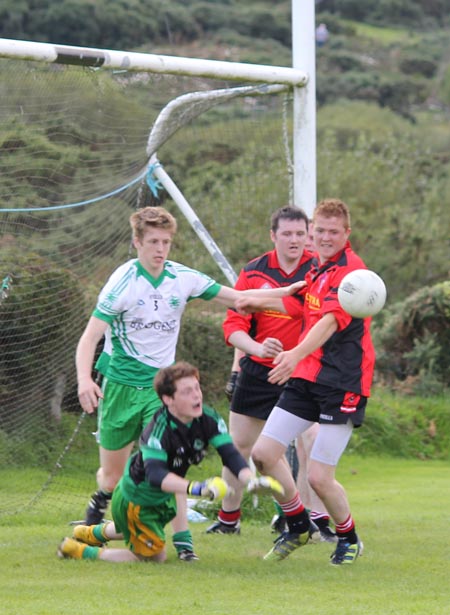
[[269, 458], [244, 430], [311, 500], [112, 465], [322, 479]]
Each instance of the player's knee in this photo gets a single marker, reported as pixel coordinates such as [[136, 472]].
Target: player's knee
[[108, 480], [260, 458], [318, 481]]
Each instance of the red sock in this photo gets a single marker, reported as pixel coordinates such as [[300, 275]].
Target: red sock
[[293, 507], [347, 529], [229, 518]]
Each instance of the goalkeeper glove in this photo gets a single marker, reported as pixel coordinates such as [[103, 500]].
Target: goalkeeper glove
[[231, 384], [211, 488], [264, 483]]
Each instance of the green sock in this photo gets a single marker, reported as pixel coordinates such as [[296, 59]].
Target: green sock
[[278, 508], [182, 541], [91, 552], [97, 530]]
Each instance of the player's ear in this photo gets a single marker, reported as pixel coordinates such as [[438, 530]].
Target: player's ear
[[166, 399]]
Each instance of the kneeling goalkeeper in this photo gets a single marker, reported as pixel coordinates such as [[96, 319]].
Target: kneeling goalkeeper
[[144, 502]]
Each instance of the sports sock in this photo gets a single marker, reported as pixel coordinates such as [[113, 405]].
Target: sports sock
[[278, 508], [229, 518], [320, 519], [296, 515], [182, 541], [99, 532], [347, 530], [91, 552]]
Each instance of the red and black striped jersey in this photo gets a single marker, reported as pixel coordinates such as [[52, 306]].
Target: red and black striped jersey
[[346, 361], [265, 272]]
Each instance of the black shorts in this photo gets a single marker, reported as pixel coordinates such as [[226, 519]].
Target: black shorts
[[254, 395], [322, 404]]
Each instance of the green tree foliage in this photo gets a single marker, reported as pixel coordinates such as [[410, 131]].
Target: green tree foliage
[[36, 351], [201, 343], [395, 190], [110, 24], [387, 12], [413, 342]]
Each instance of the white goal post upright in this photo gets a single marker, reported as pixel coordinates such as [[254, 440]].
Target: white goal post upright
[[304, 131]]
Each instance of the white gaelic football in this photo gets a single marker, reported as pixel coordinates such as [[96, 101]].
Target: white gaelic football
[[362, 293]]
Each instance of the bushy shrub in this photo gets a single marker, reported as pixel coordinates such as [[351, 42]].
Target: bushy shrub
[[343, 61], [400, 94], [201, 343], [36, 360], [404, 427], [418, 66], [412, 342]]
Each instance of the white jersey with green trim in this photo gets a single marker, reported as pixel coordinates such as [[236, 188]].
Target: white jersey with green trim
[[144, 314]]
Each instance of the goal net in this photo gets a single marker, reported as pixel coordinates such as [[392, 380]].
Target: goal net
[[77, 156]]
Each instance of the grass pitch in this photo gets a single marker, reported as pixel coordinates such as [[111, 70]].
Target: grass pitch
[[401, 509]]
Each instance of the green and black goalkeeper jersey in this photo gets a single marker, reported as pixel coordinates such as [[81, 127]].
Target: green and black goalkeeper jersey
[[168, 445]]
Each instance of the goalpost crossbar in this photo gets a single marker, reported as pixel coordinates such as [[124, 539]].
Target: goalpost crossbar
[[134, 61]]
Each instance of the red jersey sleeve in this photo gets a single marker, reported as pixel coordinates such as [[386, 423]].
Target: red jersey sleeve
[[234, 321], [331, 303], [294, 305]]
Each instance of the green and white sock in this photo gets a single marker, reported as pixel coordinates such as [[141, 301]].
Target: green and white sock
[[182, 541]]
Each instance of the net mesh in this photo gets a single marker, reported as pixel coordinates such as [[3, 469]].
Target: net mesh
[[73, 161]]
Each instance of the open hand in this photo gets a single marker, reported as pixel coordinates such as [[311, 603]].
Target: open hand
[[285, 364], [88, 395], [270, 348]]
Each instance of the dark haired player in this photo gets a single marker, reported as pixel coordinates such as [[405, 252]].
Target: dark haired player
[[144, 502], [261, 336]]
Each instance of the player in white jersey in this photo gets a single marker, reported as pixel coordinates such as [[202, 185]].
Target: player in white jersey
[[142, 304]]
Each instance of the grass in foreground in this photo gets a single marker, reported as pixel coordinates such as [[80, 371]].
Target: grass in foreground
[[401, 511]]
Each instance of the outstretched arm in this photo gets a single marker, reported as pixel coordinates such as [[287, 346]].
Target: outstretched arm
[[229, 296], [247, 304]]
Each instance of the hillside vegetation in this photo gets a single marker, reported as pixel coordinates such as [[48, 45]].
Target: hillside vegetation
[[383, 91]]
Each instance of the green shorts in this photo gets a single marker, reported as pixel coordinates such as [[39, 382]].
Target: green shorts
[[123, 413], [142, 526]]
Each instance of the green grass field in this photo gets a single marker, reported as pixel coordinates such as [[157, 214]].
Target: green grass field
[[383, 35], [401, 508]]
